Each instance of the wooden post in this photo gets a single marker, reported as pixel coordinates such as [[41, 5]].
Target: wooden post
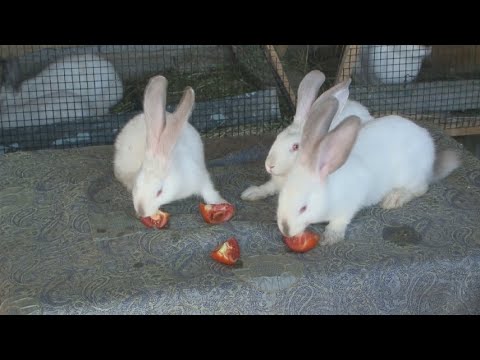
[[281, 50], [276, 64], [347, 64]]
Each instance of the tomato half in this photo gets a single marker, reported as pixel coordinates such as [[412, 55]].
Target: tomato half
[[227, 253], [303, 242], [216, 213], [159, 220]]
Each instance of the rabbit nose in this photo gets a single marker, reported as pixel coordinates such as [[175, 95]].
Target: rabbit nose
[[270, 168], [140, 211], [285, 228]]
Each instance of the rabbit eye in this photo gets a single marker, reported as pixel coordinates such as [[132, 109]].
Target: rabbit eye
[[295, 147], [159, 192], [302, 210]]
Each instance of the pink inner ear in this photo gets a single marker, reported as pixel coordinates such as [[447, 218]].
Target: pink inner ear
[[307, 92], [154, 112], [170, 136], [323, 169], [175, 123], [153, 142], [333, 151], [340, 91]]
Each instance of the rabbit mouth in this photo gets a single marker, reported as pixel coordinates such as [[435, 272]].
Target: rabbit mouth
[[281, 173], [275, 172]]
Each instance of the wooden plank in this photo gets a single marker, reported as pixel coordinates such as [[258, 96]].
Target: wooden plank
[[421, 97], [18, 50], [347, 64], [463, 131]]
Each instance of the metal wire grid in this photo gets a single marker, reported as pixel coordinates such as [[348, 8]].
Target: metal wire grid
[[240, 90], [440, 83], [65, 97]]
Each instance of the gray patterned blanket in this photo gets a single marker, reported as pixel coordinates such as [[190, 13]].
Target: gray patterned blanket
[[70, 244]]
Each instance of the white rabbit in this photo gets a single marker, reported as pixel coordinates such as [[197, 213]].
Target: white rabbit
[[283, 153], [75, 86], [390, 64], [389, 159], [159, 156]]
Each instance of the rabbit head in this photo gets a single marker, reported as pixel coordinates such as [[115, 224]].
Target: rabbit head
[[283, 153], [303, 199]]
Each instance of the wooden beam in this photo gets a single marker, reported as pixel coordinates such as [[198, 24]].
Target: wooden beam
[[347, 64], [463, 131], [277, 67], [18, 50], [281, 50]]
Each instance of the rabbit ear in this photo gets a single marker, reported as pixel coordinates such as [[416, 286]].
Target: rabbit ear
[[332, 152], [185, 106], [307, 93], [176, 121], [340, 91], [154, 110], [316, 127]]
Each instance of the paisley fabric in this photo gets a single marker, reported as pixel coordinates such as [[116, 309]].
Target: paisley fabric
[[70, 244]]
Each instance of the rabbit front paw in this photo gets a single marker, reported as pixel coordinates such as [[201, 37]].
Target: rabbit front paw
[[334, 233], [331, 237], [253, 193]]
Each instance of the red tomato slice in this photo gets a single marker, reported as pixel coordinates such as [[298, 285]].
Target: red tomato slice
[[303, 242], [159, 220], [216, 213], [227, 253]]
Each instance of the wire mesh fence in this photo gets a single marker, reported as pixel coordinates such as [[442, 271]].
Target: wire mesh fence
[[437, 83], [68, 96], [74, 96]]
